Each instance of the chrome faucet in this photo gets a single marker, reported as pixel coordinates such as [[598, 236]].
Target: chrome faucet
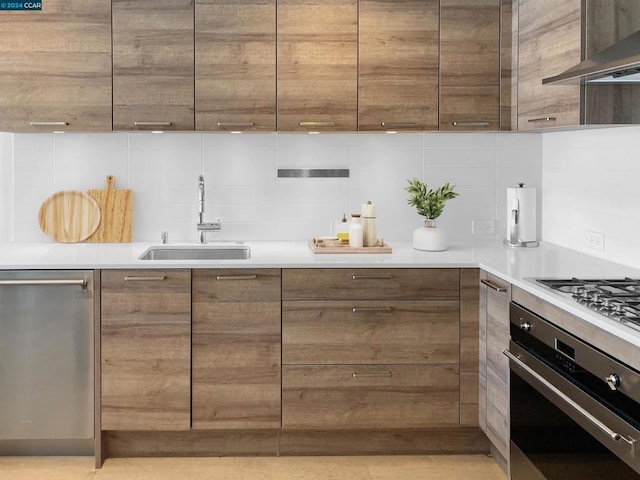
[[203, 227]]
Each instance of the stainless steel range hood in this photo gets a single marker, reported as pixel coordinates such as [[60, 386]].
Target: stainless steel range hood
[[620, 63]]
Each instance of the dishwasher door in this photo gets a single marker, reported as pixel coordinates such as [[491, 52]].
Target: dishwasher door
[[46, 355]]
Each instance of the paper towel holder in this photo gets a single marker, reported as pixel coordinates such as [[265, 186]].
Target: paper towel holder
[[514, 224]]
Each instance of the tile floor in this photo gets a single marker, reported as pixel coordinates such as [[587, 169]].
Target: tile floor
[[432, 467]]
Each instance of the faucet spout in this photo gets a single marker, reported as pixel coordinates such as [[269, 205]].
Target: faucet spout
[[203, 227]]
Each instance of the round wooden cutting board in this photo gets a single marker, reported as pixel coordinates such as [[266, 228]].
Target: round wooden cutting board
[[69, 216]]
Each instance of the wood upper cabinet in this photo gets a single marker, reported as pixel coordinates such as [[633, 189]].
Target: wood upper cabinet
[[236, 349], [317, 65], [153, 65], [469, 64], [398, 65], [549, 43], [495, 295], [146, 347], [55, 66], [235, 65]]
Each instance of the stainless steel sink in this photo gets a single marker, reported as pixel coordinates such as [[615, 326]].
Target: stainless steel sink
[[234, 251]]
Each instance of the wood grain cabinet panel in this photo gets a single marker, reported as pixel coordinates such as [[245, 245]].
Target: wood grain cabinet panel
[[370, 332], [236, 349], [153, 65], [55, 67], [494, 366], [235, 65], [146, 348], [549, 43], [317, 65], [370, 396], [469, 64], [371, 284], [398, 65]]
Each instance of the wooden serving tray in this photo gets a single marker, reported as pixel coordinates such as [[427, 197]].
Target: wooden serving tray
[[347, 249]]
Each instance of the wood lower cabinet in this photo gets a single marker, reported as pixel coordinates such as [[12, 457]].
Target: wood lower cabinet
[[317, 65], [236, 349], [495, 295], [549, 43], [146, 349], [370, 348], [235, 65], [153, 65], [469, 65], [55, 66], [398, 65]]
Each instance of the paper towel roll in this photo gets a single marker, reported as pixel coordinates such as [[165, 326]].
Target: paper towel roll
[[527, 216]]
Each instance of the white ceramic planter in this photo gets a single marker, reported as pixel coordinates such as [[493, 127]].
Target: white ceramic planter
[[429, 238]]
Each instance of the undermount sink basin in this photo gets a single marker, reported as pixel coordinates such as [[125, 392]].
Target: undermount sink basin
[[235, 251]]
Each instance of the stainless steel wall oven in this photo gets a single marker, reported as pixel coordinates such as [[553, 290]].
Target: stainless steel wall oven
[[575, 410]]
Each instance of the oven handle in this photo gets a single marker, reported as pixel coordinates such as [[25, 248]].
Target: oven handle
[[601, 426]]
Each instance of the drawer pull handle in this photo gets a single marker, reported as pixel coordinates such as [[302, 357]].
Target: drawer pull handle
[[542, 119], [235, 124], [371, 374], [493, 286], [371, 277], [398, 124], [152, 124], [470, 124], [317, 124], [44, 282], [158, 278], [236, 277], [371, 309], [48, 124]]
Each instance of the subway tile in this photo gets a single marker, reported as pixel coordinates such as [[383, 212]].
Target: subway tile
[[161, 168], [33, 142], [175, 142], [519, 158], [460, 158], [313, 159], [459, 140], [87, 144], [377, 141], [306, 142], [240, 168], [518, 140], [240, 143]]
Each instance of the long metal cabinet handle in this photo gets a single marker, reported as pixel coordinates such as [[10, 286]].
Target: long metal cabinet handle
[[371, 309], [371, 277], [398, 124], [48, 124], [542, 119], [236, 277], [152, 124], [157, 278], [606, 430], [80, 282], [371, 374], [471, 124], [317, 124], [493, 286], [235, 124]]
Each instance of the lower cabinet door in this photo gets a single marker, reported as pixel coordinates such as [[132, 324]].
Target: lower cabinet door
[[146, 347], [366, 396]]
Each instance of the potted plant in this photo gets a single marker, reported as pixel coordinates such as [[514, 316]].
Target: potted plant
[[429, 203]]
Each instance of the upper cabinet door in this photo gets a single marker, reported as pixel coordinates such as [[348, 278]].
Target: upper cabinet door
[[317, 65], [398, 65], [549, 43], [55, 66], [236, 65], [469, 64], [153, 65]]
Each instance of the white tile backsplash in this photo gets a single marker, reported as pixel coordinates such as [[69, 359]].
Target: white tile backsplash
[[242, 188], [590, 180]]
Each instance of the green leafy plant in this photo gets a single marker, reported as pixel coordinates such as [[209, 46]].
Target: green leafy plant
[[429, 203]]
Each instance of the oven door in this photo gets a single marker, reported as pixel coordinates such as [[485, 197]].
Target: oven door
[[560, 432]]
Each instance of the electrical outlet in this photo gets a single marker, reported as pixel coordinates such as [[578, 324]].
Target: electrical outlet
[[595, 241], [483, 227]]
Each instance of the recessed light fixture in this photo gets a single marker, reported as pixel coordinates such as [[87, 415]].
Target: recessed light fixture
[[157, 131], [59, 131], [313, 133], [391, 132], [235, 132]]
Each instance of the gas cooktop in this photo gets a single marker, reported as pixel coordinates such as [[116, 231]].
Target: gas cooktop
[[618, 299]]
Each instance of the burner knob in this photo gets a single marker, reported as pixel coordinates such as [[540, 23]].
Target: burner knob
[[525, 326], [613, 381]]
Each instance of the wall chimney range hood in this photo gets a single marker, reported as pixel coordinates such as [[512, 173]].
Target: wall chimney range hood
[[619, 63]]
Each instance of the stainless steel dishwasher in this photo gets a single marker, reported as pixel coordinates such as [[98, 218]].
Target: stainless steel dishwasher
[[46, 362]]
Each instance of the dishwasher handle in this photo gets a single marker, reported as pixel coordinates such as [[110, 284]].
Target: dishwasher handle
[[46, 282]]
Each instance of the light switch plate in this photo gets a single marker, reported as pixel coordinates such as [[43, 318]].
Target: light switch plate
[[483, 227]]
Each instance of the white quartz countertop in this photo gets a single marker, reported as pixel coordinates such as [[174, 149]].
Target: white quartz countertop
[[515, 265]]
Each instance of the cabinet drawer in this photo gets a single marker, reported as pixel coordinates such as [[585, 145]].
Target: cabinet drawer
[[236, 285], [350, 284], [369, 332], [381, 396]]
